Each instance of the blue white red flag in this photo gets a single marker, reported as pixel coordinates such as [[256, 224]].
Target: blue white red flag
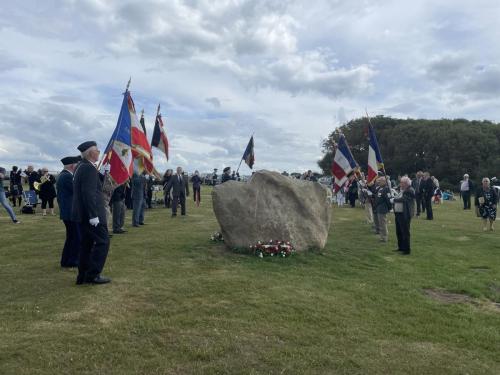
[[117, 161], [343, 164], [141, 150], [375, 162], [159, 139], [248, 155]]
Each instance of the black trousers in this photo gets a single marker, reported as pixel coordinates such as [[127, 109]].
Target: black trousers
[[403, 232], [428, 208], [71, 249], [49, 201], [94, 250], [168, 200], [352, 199], [466, 199], [176, 199], [420, 205]]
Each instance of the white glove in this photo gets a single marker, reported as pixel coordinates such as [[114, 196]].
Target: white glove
[[94, 221], [369, 193], [392, 200]]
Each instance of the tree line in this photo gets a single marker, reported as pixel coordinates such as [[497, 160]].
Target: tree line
[[446, 148]]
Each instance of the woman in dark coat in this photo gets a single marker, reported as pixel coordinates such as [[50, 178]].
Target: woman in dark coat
[[166, 178], [196, 180], [16, 186], [47, 191], [486, 203]]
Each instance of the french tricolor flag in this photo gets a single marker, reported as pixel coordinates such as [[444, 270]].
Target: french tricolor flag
[[159, 139], [118, 153], [375, 162], [343, 164]]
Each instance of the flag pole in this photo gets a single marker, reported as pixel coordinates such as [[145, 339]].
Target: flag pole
[[383, 166], [239, 165], [111, 140]]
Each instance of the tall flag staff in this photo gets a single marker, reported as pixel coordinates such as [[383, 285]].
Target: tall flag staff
[[343, 164], [143, 124], [375, 162], [141, 149], [159, 139], [117, 161], [248, 155]]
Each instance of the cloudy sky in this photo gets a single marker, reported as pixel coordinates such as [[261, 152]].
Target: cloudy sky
[[288, 71]]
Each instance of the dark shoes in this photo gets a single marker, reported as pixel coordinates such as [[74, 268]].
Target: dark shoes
[[142, 224], [135, 225], [174, 215], [96, 280], [119, 231], [99, 280]]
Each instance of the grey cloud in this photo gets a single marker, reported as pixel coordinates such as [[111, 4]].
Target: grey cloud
[[448, 66], [214, 101], [484, 82]]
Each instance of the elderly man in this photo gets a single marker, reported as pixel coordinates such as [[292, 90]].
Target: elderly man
[[382, 207], [466, 188], [89, 211], [180, 191], [403, 212], [71, 249]]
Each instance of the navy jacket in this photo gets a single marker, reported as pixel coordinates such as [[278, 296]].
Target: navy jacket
[[88, 200], [178, 185], [65, 194]]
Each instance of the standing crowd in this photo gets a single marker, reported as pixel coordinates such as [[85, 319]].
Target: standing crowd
[[413, 198]]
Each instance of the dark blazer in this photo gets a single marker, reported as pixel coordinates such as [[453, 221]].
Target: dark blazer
[[427, 188], [382, 201], [417, 185], [65, 194], [196, 180], [88, 200], [178, 185], [47, 189], [408, 200], [118, 194]]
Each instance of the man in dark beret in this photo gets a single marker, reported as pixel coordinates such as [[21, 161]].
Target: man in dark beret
[[89, 211], [71, 249], [226, 176]]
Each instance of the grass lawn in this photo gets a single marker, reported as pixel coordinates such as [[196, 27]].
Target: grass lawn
[[180, 304]]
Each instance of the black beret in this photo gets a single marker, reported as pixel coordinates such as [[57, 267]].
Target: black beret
[[86, 145], [71, 160], [227, 169]]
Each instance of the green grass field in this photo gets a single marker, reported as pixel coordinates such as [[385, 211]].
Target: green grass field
[[180, 304]]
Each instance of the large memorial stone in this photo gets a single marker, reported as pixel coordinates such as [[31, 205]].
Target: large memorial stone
[[272, 206]]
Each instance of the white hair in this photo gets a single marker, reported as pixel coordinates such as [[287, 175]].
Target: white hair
[[406, 180]]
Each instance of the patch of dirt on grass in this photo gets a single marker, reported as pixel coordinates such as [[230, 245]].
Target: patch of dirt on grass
[[444, 296], [448, 297]]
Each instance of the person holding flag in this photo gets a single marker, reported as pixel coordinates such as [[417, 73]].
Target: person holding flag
[[343, 164], [89, 211]]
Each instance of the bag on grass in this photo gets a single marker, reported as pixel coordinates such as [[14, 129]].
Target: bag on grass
[[27, 210]]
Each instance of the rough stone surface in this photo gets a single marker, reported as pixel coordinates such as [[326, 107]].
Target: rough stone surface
[[272, 206]]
